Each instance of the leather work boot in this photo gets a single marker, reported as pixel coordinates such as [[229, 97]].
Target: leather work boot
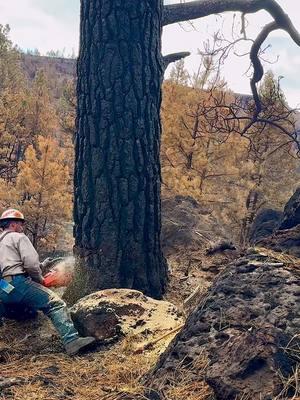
[[79, 344]]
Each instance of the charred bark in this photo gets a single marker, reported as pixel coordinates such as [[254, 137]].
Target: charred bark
[[117, 169]]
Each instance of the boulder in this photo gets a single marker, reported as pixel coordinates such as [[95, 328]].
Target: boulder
[[114, 313], [286, 241], [187, 224], [264, 224], [291, 215], [286, 238], [247, 330]]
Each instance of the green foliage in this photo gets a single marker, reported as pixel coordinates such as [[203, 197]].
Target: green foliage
[[271, 93], [13, 107], [33, 52], [42, 119], [56, 53], [10, 72], [67, 108]]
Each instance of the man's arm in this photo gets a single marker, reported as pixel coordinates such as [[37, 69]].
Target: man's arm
[[30, 258]]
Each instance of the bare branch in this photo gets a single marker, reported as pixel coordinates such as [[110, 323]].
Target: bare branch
[[170, 58], [202, 8], [243, 28], [257, 65]]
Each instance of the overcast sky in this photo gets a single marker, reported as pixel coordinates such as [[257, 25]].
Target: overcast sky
[[54, 25]]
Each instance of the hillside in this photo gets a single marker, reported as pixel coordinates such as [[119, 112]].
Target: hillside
[[242, 324], [64, 68], [59, 71], [228, 325]]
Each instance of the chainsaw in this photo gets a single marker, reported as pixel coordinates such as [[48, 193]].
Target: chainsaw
[[58, 275]]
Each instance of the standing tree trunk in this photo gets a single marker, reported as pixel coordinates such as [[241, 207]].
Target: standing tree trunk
[[117, 169]]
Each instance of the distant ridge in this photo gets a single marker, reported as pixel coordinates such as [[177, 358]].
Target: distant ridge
[[61, 67]]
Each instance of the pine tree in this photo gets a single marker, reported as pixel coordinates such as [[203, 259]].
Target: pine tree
[[179, 74], [194, 160], [42, 119], [13, 108], [66, 111], [8, 195], [43, 187]]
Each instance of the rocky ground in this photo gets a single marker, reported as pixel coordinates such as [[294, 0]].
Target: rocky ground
[[132, 330], [240, 342], [277, 230], [137, 329], [228, 328], [189, 232], [246, 327]]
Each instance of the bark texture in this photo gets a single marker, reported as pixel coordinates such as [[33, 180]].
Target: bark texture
[[117, 172]]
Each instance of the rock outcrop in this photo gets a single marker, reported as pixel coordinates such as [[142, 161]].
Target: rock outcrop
[[186, 223], [264, 224], [247, 327], [189, 232], [291, 215], [287, 237], [286, 241], [114, 313]]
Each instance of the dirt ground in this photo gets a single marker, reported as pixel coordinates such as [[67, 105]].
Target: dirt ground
[[34, 366]]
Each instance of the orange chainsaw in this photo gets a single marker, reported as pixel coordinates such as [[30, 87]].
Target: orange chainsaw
[[59, 275]]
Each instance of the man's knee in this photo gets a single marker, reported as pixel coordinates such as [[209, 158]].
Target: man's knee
[[55, 303], [42, 298]]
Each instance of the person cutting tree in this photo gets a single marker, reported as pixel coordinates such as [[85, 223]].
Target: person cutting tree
[[22, 282]]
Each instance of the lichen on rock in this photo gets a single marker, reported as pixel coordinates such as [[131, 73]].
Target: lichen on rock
[[248, 328]]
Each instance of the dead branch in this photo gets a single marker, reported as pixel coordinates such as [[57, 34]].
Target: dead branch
[[170, 58], [201, 8], [257, 65]]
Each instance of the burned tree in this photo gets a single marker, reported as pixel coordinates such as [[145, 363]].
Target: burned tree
[[117, 177], [117, 172]]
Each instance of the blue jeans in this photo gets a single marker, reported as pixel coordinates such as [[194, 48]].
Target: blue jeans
[[38, 297]]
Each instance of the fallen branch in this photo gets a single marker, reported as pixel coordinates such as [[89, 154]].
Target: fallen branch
[[153, 342]]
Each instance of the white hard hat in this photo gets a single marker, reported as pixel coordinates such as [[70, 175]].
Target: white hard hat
[[11, 213]]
